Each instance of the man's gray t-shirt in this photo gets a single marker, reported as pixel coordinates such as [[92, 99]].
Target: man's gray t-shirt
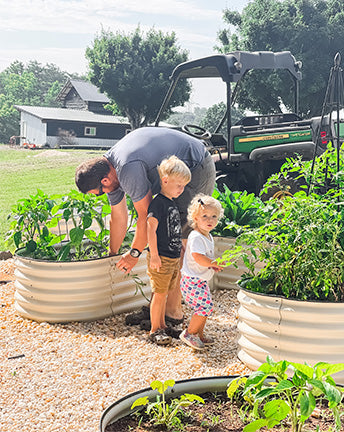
[[136, 157]]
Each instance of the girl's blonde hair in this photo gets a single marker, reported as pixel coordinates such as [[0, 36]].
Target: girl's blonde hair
[[199, 203], [173, 166]]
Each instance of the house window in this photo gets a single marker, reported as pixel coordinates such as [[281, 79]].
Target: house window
[[90, 131]]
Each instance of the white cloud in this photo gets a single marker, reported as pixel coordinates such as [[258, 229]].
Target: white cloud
[[86, 16], [71, 60], [58, 31]]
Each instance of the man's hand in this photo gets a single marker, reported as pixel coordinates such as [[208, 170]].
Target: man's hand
[[126, 263]]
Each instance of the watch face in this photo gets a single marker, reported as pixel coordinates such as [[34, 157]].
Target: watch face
[[135, 253]]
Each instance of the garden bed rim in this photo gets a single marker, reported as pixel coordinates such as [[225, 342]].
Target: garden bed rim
[[221, 381], [288, 298]]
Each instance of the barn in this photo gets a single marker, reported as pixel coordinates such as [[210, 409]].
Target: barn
[[81, 122]]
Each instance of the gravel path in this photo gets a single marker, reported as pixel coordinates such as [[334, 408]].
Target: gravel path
[[61, 377]]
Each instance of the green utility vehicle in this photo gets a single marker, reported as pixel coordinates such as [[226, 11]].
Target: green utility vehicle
[[256, 146]]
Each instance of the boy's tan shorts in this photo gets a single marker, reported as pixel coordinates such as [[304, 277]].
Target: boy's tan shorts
[[167, 276]]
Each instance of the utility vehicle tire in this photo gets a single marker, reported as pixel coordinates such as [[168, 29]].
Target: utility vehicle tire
[[228, 180], [289, 187]]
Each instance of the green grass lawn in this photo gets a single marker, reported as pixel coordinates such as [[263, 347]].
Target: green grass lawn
[[24, 171]]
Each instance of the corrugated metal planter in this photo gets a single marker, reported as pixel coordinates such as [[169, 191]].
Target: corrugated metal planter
[[228, 277], [121, 408], [76, 291], [300, 331]]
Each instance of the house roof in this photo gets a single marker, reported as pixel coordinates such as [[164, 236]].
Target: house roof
[[48, 113], [86, 90]]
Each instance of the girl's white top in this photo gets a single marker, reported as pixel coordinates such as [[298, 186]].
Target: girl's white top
[[198, 243]]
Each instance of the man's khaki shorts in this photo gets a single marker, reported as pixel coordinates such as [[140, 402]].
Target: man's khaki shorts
[[168, 275]]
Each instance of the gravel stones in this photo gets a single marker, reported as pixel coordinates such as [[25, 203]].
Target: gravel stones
[[61, 377]]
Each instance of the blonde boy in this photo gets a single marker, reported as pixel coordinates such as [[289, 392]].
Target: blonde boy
[[165, 242]]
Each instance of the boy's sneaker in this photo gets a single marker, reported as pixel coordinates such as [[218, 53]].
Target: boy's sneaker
[[192, 340], [207, 340]]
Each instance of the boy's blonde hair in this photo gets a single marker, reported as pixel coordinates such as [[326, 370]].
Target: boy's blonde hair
[[199, 203], [173, 166]]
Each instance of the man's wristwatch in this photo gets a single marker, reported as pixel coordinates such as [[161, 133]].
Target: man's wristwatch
[[135, 253]]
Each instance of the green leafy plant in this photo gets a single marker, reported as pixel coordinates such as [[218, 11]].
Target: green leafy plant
[[296, 174], [164, 413], [241, 209], [302, 247], [286, 390], [61, 227]]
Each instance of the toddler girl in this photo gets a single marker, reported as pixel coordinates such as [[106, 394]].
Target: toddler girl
[[199, 267]]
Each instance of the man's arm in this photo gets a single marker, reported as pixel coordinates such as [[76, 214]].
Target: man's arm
[[118, 225], [127, 262]]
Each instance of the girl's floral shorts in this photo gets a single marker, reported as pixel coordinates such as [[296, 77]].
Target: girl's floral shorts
[[196, 293]]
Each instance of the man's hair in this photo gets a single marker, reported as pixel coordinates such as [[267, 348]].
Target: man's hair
[[89, 174], [199, 203], [173, 166]]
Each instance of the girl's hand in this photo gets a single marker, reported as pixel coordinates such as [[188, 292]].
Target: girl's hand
[[216, 267], [155, 262]]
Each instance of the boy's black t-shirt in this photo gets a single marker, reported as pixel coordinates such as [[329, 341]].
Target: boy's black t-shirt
[[169, 231]]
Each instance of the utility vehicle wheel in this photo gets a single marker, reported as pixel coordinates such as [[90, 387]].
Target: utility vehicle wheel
[[196, 131], [228, 180], [287, 187]]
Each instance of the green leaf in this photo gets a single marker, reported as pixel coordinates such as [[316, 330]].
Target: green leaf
[[334, 368], [64, 252], [192, 397], [162, 386], [90, 234], [233, 387], [283, 385], [140, 402], [17, 237], [45, 232], [333, 394], [307, 405], [76, 236], [31, 246], [56, 240], [305, 369], [276, 410], [265, 392], [87, 221], [255, 425]]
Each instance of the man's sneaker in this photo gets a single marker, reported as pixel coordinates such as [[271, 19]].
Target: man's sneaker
[[207, 340], [136, 317], [192, 340]]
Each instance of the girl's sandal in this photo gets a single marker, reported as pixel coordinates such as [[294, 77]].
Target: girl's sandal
[[207, 340], [160, 337]]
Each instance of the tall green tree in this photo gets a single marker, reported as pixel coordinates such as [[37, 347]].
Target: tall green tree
[[215, 114], [26, 84], [134, 69], [313, 30]]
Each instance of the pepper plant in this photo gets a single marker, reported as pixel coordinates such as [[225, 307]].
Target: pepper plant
[[302, 247], [61, 227], [296, 174], [284, 390], [163, 413]]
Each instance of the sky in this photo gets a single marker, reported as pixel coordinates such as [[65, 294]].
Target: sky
[[59, 31]]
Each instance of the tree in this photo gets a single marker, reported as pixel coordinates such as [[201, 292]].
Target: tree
[[214, 115], [313, 30], [134, 69], [181, 118], [31, 84]]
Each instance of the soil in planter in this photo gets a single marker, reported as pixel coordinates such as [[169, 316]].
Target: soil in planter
[[218, 414]]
